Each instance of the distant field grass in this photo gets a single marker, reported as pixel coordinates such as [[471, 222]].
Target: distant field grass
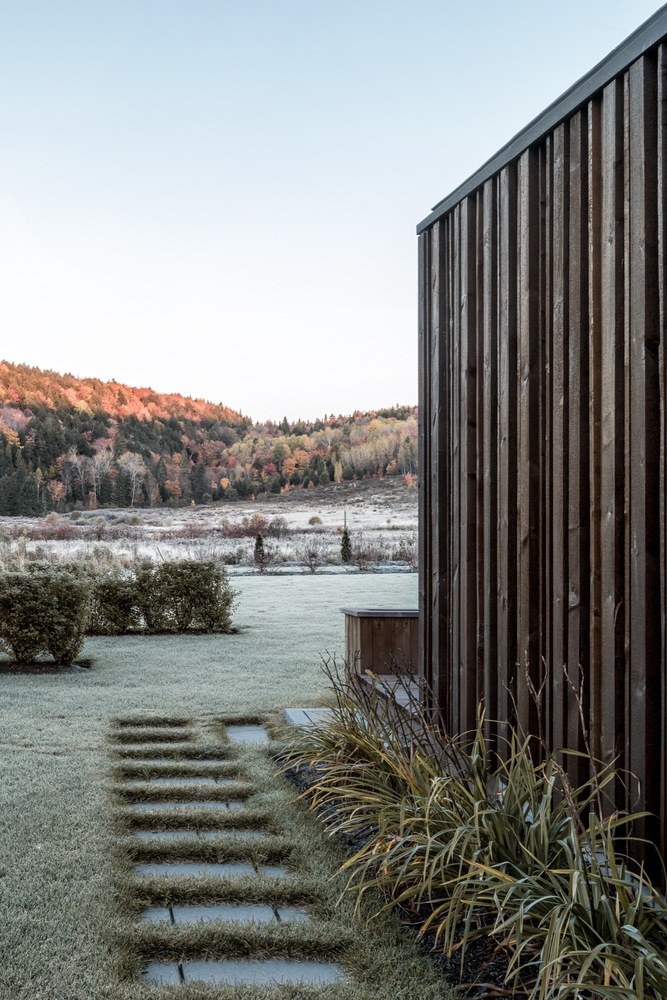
[[60, 918]]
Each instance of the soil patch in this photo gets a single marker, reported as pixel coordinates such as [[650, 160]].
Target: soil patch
[[44, 667]]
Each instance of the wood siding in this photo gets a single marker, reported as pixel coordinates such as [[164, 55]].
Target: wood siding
[[543, 511]]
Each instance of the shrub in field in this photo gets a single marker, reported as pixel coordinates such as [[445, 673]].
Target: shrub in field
[[185, 596], [114, 608], [69, 599], [312, 555], [475, 842], [43, 611], [365, 554], [262, 556]]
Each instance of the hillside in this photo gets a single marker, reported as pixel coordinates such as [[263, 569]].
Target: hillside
[[71, 443]]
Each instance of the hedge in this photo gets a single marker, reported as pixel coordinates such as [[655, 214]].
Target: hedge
[[187, 596], [50, 609]]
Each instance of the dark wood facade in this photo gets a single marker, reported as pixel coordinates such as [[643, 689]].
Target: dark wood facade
[[543, 519]]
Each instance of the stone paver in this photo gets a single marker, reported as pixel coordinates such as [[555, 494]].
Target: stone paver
[[307, 716], [273, 970], [273, 871], [170, 759], [161, 974], [292, 915], [165, 834], [230, 912], [156, 915], [247, 734], [241, 834], [178, 782], [232, 869], [190, 805]]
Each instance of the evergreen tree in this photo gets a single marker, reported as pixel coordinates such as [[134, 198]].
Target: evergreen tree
[[346, 547], [262, 556]]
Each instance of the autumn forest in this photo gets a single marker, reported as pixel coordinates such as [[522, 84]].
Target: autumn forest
[[68, 443]]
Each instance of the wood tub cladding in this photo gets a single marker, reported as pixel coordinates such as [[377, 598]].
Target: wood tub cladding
[[543, 430], [382, 640]]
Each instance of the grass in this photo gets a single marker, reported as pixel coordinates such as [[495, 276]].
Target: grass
[[67, 916]]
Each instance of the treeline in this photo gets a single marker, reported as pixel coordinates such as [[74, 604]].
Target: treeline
[[60, 451]]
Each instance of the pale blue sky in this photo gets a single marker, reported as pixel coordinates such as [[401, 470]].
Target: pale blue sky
[[220, 198]]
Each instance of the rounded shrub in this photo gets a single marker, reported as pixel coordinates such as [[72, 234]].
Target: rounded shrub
[[115, 609], [44, 611], [187, 596]]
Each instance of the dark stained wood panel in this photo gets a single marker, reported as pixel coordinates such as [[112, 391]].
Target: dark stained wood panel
[[543, 375]]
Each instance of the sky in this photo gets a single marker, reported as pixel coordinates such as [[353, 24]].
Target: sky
[[219, 197]]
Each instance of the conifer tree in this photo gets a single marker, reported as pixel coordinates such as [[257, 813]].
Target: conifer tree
[[346, 547]]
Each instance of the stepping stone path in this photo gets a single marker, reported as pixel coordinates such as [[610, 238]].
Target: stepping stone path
[[172, 754]]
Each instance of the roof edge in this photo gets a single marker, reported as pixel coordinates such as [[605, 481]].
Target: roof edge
[[645, 37]]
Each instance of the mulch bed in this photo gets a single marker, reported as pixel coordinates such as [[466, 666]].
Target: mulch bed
[[44, 667], [484, 971]]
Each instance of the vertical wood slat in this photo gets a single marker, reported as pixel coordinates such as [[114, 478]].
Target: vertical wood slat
[[487, 462], [454, 720], [662, 355], [595, 420], [612, 409], [542, 352], [546, 429], [548, 419], [507, 462], [578, 445], [426, 660], [560, 424], [438, 501], [468, 479], [528, 584], [644, 412]]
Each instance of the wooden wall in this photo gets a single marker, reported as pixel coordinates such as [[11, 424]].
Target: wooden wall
[[543, 435]]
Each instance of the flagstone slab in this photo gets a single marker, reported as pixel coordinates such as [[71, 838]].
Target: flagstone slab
[[273, 871], [292, 915], [308, 717], [231, 869], [177, 782], [240, 834], [156, 915], [229, 912], [161, 974], [265, 972], [189, 805], [247, 734], [175, 759], [166, 834]]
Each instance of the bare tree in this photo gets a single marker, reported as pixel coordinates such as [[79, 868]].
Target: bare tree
[[135, 467], [312, 554], [75, 469], [100, 465]]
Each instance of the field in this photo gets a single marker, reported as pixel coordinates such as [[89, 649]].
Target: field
[[302, 531], [68, 921]]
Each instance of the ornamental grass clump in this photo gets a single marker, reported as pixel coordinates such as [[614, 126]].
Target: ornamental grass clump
[[477, 841]]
